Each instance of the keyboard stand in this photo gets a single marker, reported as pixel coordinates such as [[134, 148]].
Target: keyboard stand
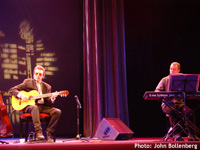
[[173, 129], [183, 124]]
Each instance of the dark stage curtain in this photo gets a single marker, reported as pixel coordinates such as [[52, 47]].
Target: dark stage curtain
[[104, 63]]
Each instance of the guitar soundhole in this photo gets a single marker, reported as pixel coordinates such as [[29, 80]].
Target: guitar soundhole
[[30, 97]]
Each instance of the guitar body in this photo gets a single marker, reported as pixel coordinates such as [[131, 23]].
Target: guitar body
[[18, 104]]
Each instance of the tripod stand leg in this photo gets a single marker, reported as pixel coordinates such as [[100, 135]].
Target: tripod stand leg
[[3, 142], [183, 129], [172, 130], [165, 138]]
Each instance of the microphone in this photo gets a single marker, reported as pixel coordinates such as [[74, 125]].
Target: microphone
[[77, 100]]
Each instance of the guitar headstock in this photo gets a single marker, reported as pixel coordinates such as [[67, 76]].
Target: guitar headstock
[[64, 93]]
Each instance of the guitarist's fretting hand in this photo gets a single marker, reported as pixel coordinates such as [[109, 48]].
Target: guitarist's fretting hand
[[54, 95], [22, 96]]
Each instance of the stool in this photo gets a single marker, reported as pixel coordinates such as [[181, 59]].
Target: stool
[[26, 118]]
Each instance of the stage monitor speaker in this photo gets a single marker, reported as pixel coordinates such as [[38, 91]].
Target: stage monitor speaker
[[113, 129]]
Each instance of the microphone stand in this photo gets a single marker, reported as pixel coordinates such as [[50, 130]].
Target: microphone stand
[[78, 107], [78, 136]]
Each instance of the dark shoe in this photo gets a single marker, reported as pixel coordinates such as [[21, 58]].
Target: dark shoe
[[49, 137], [39, 135], [178, 138]]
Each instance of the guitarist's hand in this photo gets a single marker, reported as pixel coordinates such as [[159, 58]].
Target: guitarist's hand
[[54, 95], [23, 97]]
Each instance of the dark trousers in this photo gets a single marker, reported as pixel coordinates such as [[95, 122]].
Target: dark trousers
[[35, 110]]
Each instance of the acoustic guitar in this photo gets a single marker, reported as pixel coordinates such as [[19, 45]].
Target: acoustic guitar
[[33, 95], [5, 124]]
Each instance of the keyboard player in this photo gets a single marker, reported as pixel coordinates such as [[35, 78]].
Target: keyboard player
[[176, 103]]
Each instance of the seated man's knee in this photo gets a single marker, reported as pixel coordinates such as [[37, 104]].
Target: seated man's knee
[[167, 110], [34, 107], [58, 112]]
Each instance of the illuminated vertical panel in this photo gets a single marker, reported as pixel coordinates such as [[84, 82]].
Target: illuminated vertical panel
[[9, 61]]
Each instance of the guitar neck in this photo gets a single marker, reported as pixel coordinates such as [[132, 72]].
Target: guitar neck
[[41, 96]]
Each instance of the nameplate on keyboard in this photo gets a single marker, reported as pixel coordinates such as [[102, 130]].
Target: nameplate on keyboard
[[151, 95]]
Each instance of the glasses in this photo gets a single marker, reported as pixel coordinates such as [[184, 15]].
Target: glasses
[[38, 74]]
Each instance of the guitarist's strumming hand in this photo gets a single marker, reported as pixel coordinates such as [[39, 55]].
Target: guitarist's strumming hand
[[22, 96]]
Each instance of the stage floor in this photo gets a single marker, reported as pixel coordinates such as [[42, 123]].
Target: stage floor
[[94, 144]]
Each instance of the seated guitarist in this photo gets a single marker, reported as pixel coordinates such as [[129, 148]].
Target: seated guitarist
[[43, 105]]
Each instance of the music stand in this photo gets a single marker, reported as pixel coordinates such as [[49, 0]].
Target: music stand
[[185, 83]]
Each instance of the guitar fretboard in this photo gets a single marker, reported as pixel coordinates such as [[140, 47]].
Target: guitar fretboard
[[40, 96]]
